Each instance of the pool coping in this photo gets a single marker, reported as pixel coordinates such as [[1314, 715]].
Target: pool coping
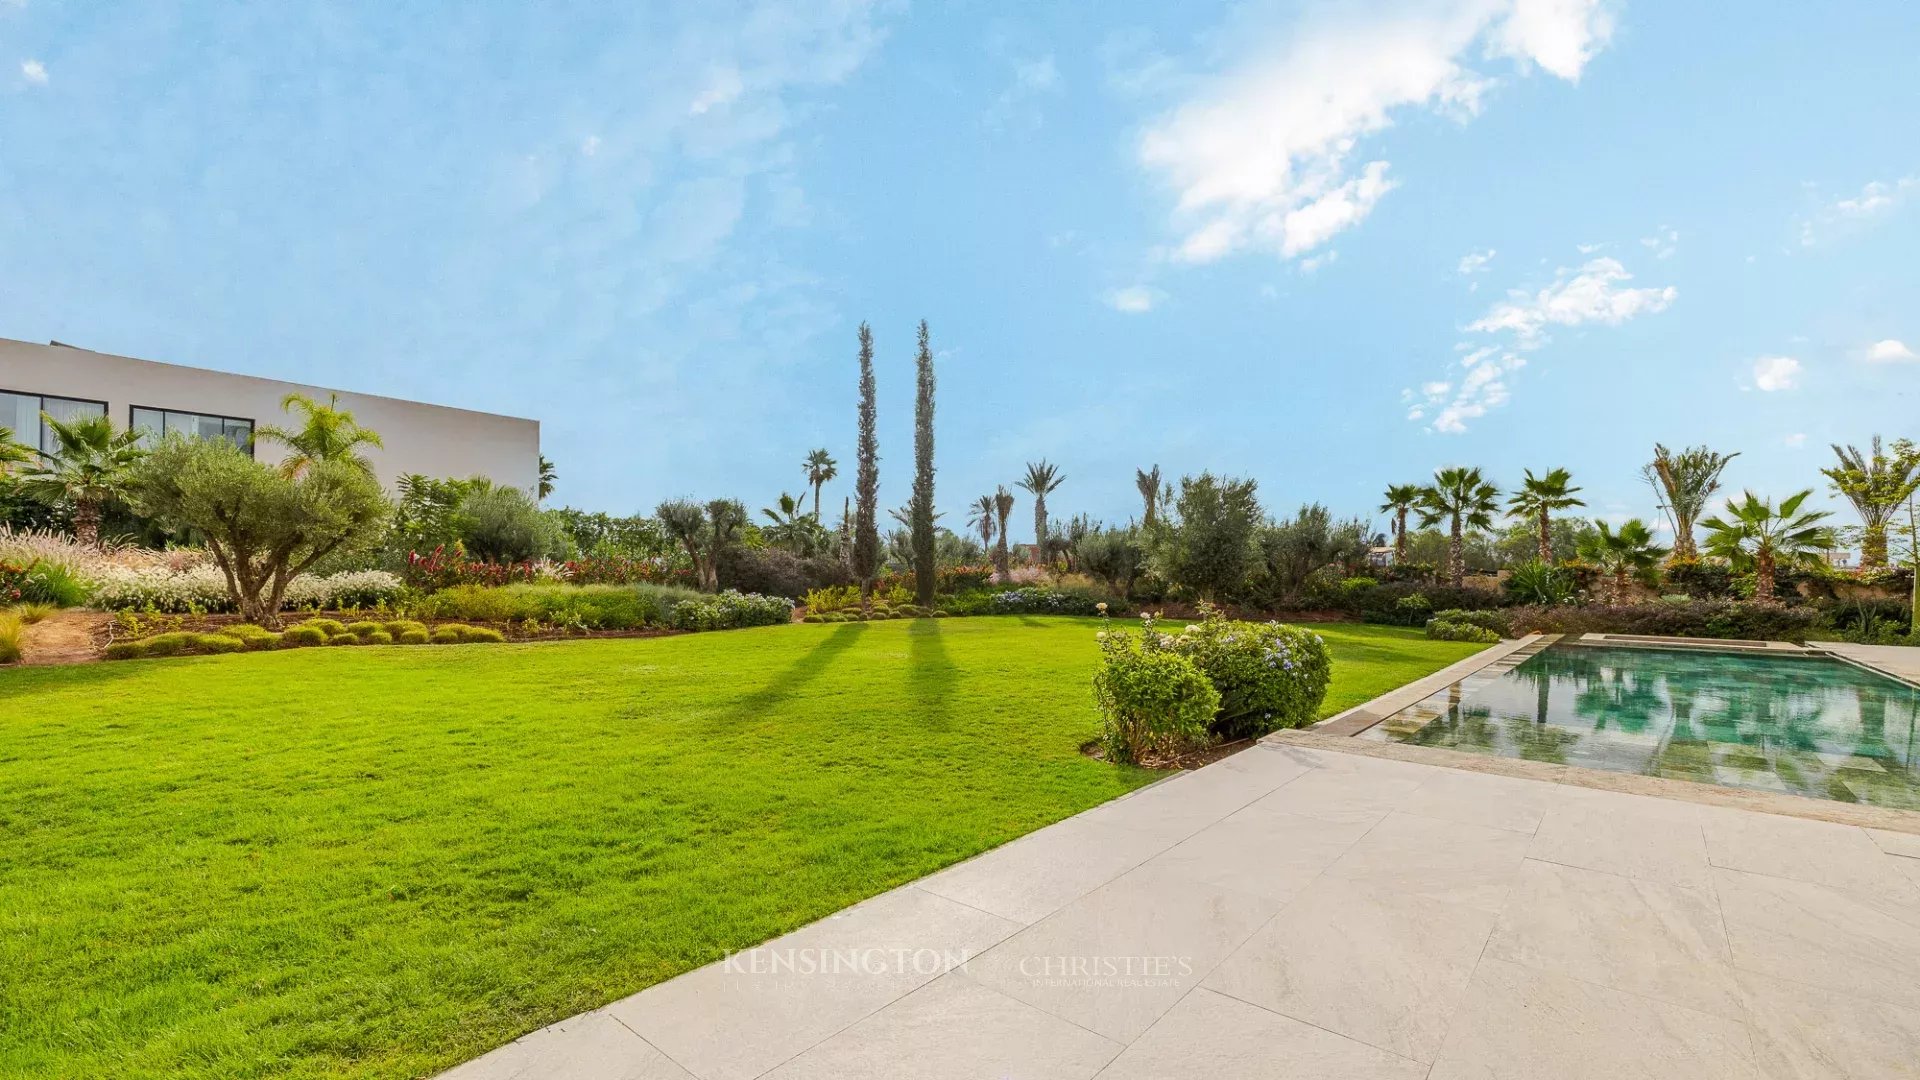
[[1337, 733]]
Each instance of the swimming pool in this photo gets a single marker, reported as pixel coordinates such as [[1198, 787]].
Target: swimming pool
[[1803, 724]]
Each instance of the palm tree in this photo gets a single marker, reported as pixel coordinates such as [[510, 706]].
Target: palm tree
[[547, 477], [1754, 530], [1621, 554], [1401, 499], [12, 452], [1877, 485], [326, 433], [820, 468], [1002, 509], [1465, 500], [1148, 482], [1538, 498], [1684, 482], [981, 514], [792, 527], [89, 467], [1042, 479]]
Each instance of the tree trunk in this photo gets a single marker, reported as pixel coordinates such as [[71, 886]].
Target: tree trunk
[[86, 522], [1683, 539], [1400, 536], [1546, 538], [1763, 577], [1457, 555], [1039, 531], [1620, 585], [1873, 547], [1001, 557], [816, 502]]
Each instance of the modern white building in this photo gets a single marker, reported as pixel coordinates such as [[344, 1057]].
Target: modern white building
[[433, 440]]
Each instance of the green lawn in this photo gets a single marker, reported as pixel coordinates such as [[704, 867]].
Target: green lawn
[[383, 861]]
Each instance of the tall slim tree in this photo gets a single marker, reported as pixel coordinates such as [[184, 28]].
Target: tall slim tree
[[866, 484], [1538, 498], [924, 570], [820, 468], [89, 466], [1401, 500], [1147, 481], [1042, 479], [1754, 530], [1878, 484], [1463, 499], [1684, 482], [1003, 509], [981, 515]]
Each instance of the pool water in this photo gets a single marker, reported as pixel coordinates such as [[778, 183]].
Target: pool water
[[1803, 725]]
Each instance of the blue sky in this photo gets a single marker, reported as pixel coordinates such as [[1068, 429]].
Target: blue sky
[[1330, 246]]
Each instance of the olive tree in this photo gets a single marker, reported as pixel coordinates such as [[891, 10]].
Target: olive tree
[[261, 525]]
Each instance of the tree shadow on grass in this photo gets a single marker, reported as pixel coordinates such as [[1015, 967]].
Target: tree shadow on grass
[[798, 674], [931, 676]]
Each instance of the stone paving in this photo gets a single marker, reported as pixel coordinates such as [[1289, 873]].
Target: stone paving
[[1302, 912]]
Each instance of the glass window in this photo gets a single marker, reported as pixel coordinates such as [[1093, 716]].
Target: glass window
[[21, 412], [158, 423]]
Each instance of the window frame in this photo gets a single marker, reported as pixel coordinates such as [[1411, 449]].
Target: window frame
[[253, 426], [106, 409]]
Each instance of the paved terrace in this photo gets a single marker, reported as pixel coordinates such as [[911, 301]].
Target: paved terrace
[[1295, 911]]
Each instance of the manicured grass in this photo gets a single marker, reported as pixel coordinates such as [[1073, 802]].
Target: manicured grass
[[380, 862]]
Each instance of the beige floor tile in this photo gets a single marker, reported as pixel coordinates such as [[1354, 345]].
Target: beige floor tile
[[1806, 1033], [1896, 843], [591, 1046], [1381, 967], [1262, 851], [1516, 1023], [733, 1022], [1802, 932], [1176, 809], [954, 1029], [1212, 1036], [1909, 867], [1038, 874], [1645, 937], [1627, 835], [1444, 861], [1838, 856], [1345, 795], [1116, 960], [1497, 802]]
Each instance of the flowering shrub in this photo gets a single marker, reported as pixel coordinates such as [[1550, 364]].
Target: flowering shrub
[[732, 610], [1269, 675], [1041, 600], [444, 568], [13, 582], [832, 598], [203, 588], [1154, 703]]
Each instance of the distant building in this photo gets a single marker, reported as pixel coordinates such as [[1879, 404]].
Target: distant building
[[162, 399], [1380, 555]]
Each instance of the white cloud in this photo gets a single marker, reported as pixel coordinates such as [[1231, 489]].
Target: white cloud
[[1595, 293], [1478, 381], [1876, 198], [1134, 299], [590, 145], [1663, 243], [34, 72], [1314, 262], [1796, 440], [1264, 156], [723, 88], [1775, 373], [1481, 387], [1890, 351], [1475, 262]]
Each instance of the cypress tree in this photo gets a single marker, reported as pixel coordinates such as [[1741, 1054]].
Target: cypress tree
[[866, 485], [921, 507]]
